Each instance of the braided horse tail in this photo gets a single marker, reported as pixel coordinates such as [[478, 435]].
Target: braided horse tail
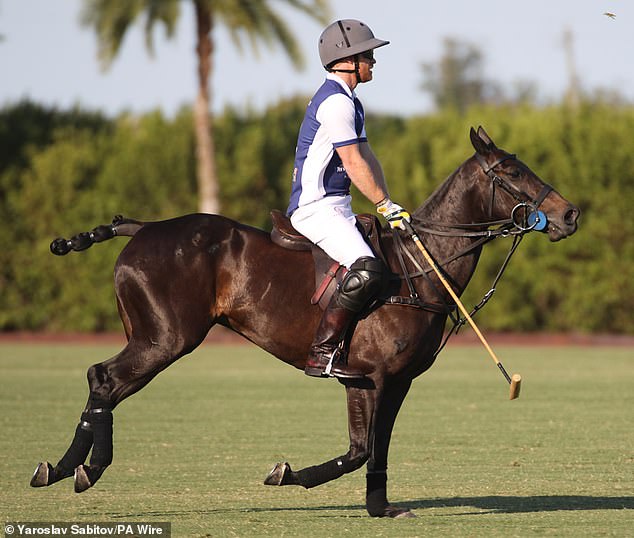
[[120, 227]]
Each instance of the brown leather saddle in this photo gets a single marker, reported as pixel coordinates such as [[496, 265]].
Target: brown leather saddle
[[328, 273]]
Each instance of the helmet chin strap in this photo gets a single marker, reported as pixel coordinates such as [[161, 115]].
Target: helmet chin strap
[[355, 70]]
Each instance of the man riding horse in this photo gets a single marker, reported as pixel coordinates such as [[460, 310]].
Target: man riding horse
[[333, 151], [175, 279]]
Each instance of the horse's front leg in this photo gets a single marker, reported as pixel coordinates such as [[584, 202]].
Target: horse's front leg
[[376, 478], [362, 403]]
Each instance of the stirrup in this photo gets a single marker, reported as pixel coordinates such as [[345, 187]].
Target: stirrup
[[334, 356], [328, 367], [335, 368]]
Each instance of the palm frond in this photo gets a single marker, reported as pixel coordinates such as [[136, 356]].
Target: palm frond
[[111, 21], [164, 11], [257, 21], [252, 21]]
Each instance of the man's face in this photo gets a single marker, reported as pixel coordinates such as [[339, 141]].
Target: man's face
[[366, 63]]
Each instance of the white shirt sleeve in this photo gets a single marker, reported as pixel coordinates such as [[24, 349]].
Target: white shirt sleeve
[[337, 116]]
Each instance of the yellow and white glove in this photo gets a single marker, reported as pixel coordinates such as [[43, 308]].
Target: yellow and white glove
[[393, 213]]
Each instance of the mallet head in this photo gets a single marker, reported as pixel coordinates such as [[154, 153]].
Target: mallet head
[[516, 385]]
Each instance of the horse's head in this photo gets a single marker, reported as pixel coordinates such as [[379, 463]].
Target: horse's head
[[513, 189]]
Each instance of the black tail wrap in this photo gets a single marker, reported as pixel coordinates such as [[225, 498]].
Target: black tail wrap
[[83, 240]]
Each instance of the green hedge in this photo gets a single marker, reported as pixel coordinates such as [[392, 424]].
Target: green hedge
[[62, 172]]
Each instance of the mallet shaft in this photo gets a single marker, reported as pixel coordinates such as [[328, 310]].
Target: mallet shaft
[[508, 378], [458, 302], [465, 313]]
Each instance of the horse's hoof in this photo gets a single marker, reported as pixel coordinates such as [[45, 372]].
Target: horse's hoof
[[404, 514], [277, 474], [41, 474], [395, 512], [82, 482]]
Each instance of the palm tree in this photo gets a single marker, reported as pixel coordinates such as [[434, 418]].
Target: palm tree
[[252, 19]]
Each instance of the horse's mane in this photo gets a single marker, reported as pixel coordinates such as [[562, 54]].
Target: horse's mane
[[430, 205]]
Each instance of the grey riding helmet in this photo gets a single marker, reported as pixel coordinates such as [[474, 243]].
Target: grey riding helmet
[[345, 38]]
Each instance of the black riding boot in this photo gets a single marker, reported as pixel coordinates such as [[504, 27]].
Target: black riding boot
[[332, 329], [360, 285]]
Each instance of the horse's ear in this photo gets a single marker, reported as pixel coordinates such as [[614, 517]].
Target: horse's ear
[[484, 136], [480, 141]]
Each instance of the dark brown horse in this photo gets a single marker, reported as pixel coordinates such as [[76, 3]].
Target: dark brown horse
[[175, 279]]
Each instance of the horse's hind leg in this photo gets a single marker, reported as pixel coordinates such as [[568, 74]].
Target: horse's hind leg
[[95, 421], [45, 474], [110, 382]]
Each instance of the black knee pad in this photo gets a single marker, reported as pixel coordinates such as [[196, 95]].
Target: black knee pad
[[362, 283]]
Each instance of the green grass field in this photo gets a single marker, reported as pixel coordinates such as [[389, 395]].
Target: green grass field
[[194, 446]]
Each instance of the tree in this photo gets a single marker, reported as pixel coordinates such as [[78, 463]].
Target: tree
[[252, 19], [457, 80]]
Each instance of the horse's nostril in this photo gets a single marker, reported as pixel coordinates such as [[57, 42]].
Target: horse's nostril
[[571, 216]]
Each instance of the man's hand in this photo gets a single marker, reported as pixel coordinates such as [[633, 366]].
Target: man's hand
[[393, 213]]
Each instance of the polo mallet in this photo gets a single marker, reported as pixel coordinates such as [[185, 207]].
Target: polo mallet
[[516, 380]]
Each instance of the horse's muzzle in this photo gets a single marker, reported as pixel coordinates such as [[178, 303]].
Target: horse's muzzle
[[564, 225]]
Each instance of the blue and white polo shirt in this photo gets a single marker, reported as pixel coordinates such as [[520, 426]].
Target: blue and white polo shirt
[[334, 118]]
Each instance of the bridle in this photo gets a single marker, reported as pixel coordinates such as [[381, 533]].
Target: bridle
[[526, 205], [525, 217]]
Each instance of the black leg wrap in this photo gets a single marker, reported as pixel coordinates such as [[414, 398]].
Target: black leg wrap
[[101, 419], [79, 448], [320, 474], [376, 494]]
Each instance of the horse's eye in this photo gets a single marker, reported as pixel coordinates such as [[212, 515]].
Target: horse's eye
[[515, 173]]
